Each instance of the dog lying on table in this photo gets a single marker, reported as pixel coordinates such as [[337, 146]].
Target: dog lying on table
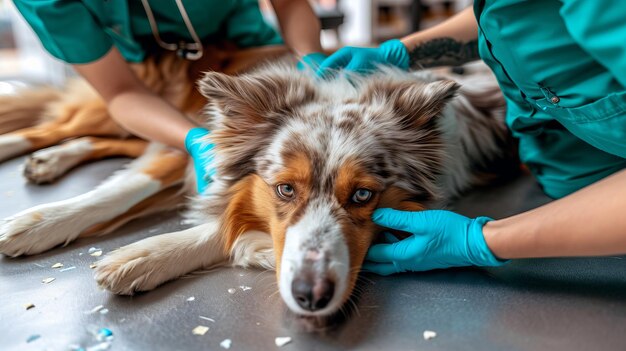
[[301, 165]]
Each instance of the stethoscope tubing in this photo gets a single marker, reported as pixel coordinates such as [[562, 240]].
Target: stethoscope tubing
[[190, 51]]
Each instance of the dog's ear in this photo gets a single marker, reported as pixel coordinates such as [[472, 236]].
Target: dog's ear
[[254, 96], [405, 112], [415, 103], [246, 110]]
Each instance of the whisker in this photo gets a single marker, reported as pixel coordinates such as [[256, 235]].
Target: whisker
[[356, 308], [274, 294]]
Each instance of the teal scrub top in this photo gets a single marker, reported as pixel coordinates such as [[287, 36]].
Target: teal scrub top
[[82, 31], [561, 65]]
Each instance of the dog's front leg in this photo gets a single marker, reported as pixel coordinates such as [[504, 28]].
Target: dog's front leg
[[45, 226], [144, 265]]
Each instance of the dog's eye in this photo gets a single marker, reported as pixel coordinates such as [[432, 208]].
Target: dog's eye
[[361, 196], [285, 191]]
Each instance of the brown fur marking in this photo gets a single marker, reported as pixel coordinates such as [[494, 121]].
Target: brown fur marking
[[103, 147], [168, 167]]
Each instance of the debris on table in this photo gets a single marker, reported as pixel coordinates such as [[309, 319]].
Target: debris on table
[[95, 309], [232, 291], [95, 252], [33, 337], [207, 319], [245, 288], [191, 298], [200, 330], [57, 265], [67, 269], [429, 334], [104, 334], [225, 344], [48, 280], [39, 265], [92, 266], [282, 341], [104, 311], [28, 306], [103, 338]]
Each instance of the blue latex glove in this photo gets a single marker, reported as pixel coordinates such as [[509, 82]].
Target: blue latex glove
[[311, 61], [202, 154], [441, 239], [364, 60]]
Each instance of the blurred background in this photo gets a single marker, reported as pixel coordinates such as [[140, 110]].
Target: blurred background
[[344, 22]]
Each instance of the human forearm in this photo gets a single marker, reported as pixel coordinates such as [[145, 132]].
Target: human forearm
[[299, 25], [149, 116], [131, 104], [453, 42], [590, 222]]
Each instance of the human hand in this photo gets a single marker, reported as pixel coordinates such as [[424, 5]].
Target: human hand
[[440, 239], [311, 61], [365, 60], [202, 154]]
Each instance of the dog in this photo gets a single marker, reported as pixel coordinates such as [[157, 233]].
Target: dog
[[301, 165]]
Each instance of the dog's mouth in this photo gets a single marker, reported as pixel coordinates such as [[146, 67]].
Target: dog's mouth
[[325, 323], [319, 324]]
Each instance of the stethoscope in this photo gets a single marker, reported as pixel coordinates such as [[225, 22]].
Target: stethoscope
[[190, 51]]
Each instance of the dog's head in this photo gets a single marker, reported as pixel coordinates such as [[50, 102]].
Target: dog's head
[[308, 162]]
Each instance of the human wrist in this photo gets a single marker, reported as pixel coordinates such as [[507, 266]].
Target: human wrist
[[311, 61], [480, 252], [396, 52], [314, 54], [305, 49]]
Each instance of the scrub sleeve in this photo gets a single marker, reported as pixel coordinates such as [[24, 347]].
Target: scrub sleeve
[[564, 82], [67, 29]]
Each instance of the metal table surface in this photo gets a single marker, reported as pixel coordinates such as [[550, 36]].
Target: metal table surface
[[543, 304]]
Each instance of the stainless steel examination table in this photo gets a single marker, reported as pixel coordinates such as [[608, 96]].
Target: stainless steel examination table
[[544, 304]]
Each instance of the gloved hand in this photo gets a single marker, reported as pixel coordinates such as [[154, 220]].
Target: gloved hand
[[441, 239], [364, 60], [202, 155], [311, 61]]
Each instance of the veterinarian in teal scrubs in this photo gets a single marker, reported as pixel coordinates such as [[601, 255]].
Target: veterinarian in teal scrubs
[[561, 65], [98, 37]]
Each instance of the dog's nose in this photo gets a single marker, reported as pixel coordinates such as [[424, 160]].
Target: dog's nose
[[312, 294]]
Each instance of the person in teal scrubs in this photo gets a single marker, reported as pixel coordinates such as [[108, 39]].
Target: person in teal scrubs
[[561, 65], [99, 37]]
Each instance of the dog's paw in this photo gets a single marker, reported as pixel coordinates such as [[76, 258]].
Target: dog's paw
[[131, 269], [47, 165], [39, 229], [148, 263], [40, 170], [19, 235]]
